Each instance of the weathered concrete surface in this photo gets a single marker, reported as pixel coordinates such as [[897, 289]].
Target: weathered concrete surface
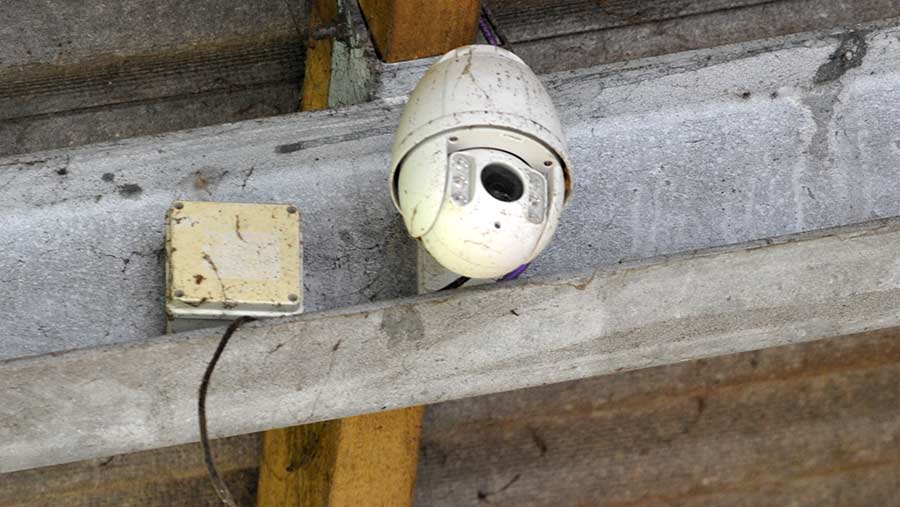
[[671, 153], [87, 403]]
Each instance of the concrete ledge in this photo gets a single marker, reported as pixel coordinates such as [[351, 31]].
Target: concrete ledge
[[95, 402], [672, 153]]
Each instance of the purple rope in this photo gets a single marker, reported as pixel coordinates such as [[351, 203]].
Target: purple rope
[[515, 273], [488, 32]]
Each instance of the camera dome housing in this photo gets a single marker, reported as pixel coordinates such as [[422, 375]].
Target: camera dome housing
[[480, 171]]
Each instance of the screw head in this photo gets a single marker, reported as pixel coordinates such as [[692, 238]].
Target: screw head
[[292, 209], [293, 298], [179, 293], [178, 205]]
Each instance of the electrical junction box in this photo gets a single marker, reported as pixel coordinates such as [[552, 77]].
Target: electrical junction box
[[227, 260]]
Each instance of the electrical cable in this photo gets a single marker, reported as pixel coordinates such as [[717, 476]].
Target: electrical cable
[[459, 282], [455, 284], [217, 482]]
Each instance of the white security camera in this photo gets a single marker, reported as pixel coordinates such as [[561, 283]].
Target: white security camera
[[480, 171]]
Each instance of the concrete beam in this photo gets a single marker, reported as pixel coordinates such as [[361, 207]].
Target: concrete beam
[[672, 153], [95, 402]]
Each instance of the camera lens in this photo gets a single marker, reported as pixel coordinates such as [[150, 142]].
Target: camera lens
[[502, 182]]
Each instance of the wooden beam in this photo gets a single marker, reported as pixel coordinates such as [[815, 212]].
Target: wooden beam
[[317, 77], [363, 460], [410, 29], [284, 478], [293, 465]]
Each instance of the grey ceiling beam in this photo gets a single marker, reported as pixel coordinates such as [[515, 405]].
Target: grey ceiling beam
[[672, 153], [96, 402]]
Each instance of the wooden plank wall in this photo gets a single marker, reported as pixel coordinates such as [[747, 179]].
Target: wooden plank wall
[[816, 424], [554, 36], [174, 476], [523, 20], [74, 74]]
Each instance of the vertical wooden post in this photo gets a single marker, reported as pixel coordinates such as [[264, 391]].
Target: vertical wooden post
[[410, 29], [317, 77], [295, 461], [365, 460]]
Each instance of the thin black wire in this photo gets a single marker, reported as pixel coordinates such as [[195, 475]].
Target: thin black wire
[[455, 284], [214, 477]]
